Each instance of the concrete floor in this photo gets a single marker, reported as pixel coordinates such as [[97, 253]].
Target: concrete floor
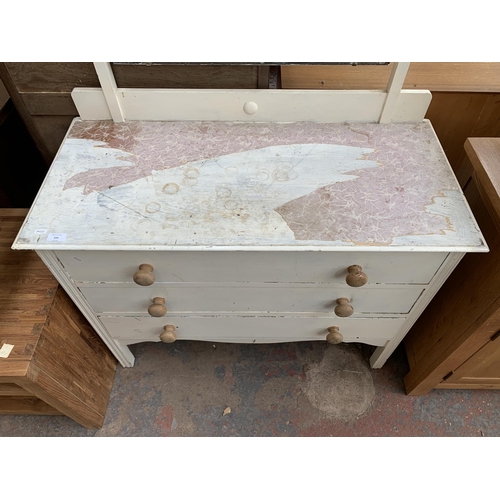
[[299, 389]]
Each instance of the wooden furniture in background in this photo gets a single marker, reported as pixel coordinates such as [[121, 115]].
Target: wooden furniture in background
[[436, 77], [41, 91], [455, 344], [58, 365], [465, 96]]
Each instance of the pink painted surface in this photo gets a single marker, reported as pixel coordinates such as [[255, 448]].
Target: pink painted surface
[[380, 204]]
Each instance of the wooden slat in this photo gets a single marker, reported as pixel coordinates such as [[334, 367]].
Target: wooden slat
[[394, 87], [442, 77], [13, 390], [108, 86], [13, 214], [52, 76], [26, 406], [49, 103], [263, 77], [52, 130], [11, 372], [186, 76]]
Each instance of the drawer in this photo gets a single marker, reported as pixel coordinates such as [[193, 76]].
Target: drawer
[[251, 329], [231, 297], [250, 266]]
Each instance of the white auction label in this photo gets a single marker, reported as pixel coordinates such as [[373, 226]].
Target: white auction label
[[56, 237], [6, 350]]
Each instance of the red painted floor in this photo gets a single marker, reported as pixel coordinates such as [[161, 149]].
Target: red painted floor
[[299, 389]]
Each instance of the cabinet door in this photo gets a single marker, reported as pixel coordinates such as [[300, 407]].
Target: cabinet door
[[480, 371]]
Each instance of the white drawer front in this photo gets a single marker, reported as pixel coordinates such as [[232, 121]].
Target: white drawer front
[[256, 267], [251, 329], [230, 297]]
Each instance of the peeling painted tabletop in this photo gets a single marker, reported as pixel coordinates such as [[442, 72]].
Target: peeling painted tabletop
[[198, 185]]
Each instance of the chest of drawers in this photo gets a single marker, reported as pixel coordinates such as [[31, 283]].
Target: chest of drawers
[[250, 232]]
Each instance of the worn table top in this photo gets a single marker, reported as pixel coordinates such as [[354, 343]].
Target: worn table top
[[297, 186]]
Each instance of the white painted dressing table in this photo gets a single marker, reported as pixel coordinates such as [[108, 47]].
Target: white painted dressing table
[[224, 227]]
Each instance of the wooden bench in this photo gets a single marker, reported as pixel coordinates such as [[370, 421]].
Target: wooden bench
[[57, 365]]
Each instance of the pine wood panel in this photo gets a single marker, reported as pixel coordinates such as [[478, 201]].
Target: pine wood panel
[[58, 364], [462, 317], [479, 371], [433, 76]]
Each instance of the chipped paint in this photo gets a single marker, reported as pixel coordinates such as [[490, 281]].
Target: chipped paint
[[251, 184]]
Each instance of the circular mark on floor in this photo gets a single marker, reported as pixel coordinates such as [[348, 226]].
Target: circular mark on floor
[[171, 188], [341, 385], [153, 207]]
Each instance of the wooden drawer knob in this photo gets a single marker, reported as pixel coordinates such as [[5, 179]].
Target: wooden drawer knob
[[144, 276], [343, 309], [334, 337], [157, 309], [356, 276], [168, 335]]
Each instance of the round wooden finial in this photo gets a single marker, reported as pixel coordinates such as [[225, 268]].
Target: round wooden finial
[[334, 337], [168, 335], [157, 309], [250, 108], [356, 276], [343, 309], [144, 276]]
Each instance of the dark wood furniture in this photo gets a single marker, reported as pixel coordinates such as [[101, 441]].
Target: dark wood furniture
[[455, 344], [58, 365], [41, 91]]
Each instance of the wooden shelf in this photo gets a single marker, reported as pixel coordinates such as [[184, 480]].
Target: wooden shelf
[[58, 364]]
